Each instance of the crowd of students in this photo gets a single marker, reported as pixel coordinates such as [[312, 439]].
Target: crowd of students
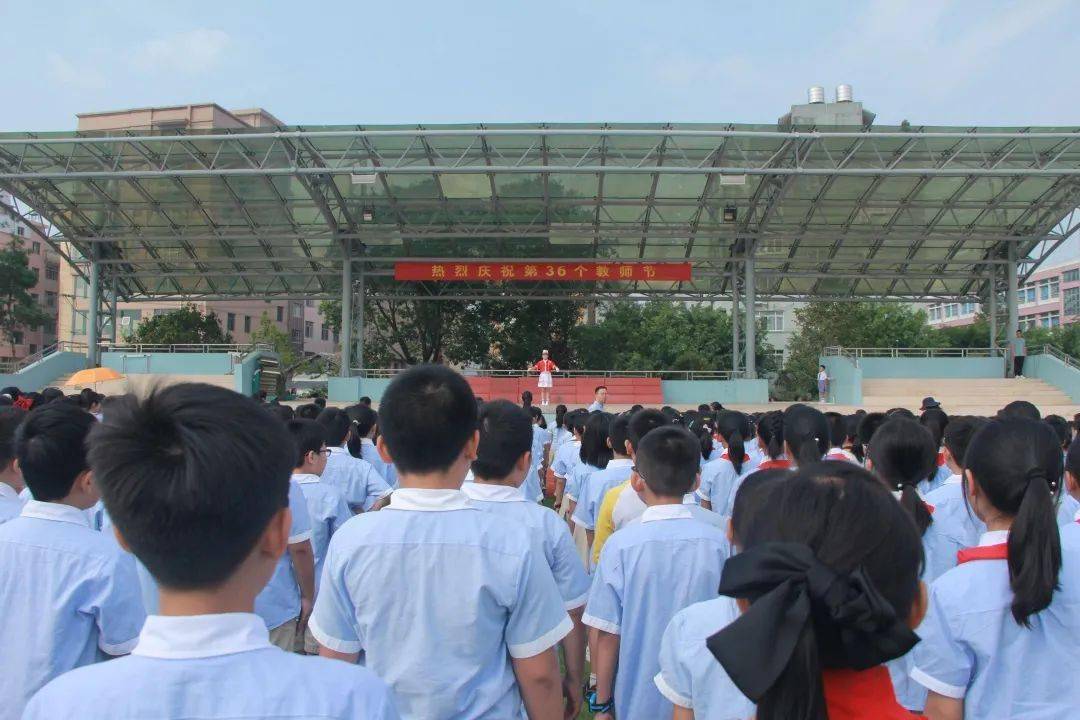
[[243, 560]]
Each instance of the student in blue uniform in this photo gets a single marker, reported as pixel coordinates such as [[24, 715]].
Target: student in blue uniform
[[901, 454], [955, 525], [326, 505], [806, 435], [502, 462], [361, 442], [454, 607], [1072, 477], [689, 675], [357, 479], [594, 456], [210, 532], [1001, 636], [568, 456], [596, 485], [532, 488], [828, 582], [11, 480], [68, 596], [638, 588], [936, 421], [720, 476]]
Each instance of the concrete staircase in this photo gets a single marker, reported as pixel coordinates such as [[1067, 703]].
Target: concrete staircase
[[966, 396]]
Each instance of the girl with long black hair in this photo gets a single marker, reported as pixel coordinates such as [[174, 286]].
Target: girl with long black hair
[[1001, 636], [828, 584], [719, 477]]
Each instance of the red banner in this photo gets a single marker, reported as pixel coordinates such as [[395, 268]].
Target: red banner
[[538, 272]]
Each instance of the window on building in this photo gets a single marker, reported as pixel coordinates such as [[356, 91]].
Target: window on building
[[309, 329], [1070, 275], [37, 273], [1027, 295], [1050, 320], [17, 338], [162, 311], [32, 349], [324, 332], [82, 288], [1049, 289], [49, 327], [50, 299], [20, 231], [297, 309], [280, 313], [247, 323], [296, 336], [52, 271], [309, 303], [230, 322], [337, 336], [1072, 301], [774, 320], [78, 321], [35, 248], [950, 311]]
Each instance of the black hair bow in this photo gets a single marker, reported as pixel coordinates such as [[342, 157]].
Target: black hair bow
[[788, 587]]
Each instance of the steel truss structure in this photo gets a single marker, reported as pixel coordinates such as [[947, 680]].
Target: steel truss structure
[[879, 213]]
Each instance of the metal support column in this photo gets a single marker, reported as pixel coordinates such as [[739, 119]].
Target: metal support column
[[736, 351], [115, 309], [1012, 324], [94, 301], [346, 315], [360, 318], [992, 307], [749, 299]]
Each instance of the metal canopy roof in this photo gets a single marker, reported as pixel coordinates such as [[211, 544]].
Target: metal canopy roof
[[906, 213]]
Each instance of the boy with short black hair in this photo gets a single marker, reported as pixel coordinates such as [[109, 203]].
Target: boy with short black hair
[[11, 480], [325, 503], [211, 533], [501, 465], [637, 589], [453, 607], [356, 478], [598, 483], [68, 596]]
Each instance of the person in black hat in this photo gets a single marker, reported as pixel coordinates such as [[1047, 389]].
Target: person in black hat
[[929, 403]]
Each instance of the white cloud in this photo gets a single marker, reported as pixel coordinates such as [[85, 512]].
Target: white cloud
[[81, 77], [189, 52]]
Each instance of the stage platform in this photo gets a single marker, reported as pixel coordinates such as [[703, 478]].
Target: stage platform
[[572, 391]]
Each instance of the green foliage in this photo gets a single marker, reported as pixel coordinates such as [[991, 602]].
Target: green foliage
[[17, 307], [847, 324], [270, 334], [660, 335], [186, 325], [1065, 338]]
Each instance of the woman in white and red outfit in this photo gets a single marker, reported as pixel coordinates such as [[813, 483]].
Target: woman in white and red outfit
[[545, 367]]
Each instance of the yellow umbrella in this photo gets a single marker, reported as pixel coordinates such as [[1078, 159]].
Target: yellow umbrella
[[93, 376]]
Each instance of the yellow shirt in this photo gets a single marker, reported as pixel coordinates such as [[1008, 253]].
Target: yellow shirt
[[604, 523]]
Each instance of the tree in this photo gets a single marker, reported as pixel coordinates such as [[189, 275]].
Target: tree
[[847, 324], [17, 307], [184, 326], [270, 334]]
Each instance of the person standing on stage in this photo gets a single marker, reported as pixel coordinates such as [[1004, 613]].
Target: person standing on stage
[[545, 367], [599, 399]]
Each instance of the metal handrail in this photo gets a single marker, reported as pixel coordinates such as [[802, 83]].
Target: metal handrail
[[61, 346], [893, 352], [145, 348], [487, 372], [1056, 352]]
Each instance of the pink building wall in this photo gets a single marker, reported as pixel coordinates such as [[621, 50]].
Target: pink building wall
[[46, 264]]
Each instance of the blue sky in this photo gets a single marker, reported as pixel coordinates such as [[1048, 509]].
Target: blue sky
[[962, 62]]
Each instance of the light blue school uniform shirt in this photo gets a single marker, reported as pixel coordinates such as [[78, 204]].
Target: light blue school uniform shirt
[[559, 437], [532, 488], [637, 590], [576, 480], [356, 478], [68, 598], [371, 455], [279, 601], [327, 511], [213, 667], [972, 648], [595, 486], [439, 595], [690, 676], [595, 407], [941, 476], [718, 482], [10, 503], [546, 528], [1067, 509], [955, 527], [566, 458]]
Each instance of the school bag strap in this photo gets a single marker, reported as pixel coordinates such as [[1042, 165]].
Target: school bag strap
[[855, 626]]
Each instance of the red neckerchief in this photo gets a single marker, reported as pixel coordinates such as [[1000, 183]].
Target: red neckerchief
[[983, 552], [837, 456], [862, 695], [23, 403], [778, 464], [724, 456], [940, 459]]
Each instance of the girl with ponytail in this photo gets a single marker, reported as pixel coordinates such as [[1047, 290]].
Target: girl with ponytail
[[1001, 636], [718, 478], [806, 435], [903, 453], [770, 438], [828, 584]]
